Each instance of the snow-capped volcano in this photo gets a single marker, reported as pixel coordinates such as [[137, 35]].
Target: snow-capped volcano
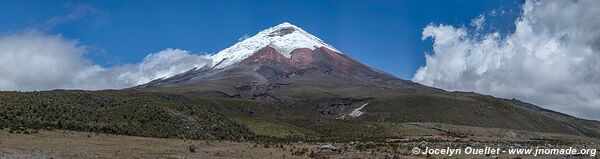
[[284, 38], [281, 54]]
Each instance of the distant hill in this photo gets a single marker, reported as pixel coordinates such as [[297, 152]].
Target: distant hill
[[117, 112]]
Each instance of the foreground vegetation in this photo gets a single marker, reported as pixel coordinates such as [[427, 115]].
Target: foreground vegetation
[[117, 112]]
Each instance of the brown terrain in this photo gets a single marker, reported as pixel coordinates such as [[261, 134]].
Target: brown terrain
[[72, 144]]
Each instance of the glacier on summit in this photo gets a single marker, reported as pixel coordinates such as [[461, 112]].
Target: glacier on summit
[[284, 37]]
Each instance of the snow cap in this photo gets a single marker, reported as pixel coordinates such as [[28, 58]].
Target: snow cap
[[284, 38]]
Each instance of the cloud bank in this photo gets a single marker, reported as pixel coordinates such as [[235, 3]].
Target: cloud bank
[[552, 59], [33, 60]]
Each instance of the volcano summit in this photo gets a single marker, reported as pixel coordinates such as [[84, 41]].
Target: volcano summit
[[283, 54]]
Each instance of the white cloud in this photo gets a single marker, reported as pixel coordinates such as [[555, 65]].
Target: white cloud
[[33, 60], [75, 11], [552, 59], [478, 22]]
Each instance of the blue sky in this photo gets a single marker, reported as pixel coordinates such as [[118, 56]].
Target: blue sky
[[383, 34]]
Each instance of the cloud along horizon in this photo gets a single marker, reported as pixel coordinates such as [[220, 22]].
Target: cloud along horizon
[[35, 61], [551, 59]]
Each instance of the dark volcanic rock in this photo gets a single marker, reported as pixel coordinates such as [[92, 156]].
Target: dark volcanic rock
[[256, 91], [333, 107]]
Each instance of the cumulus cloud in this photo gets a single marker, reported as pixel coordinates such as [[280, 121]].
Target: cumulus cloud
[[33, 60], [552, 59]]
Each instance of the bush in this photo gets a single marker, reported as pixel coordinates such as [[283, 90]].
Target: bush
[[192, 148]]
